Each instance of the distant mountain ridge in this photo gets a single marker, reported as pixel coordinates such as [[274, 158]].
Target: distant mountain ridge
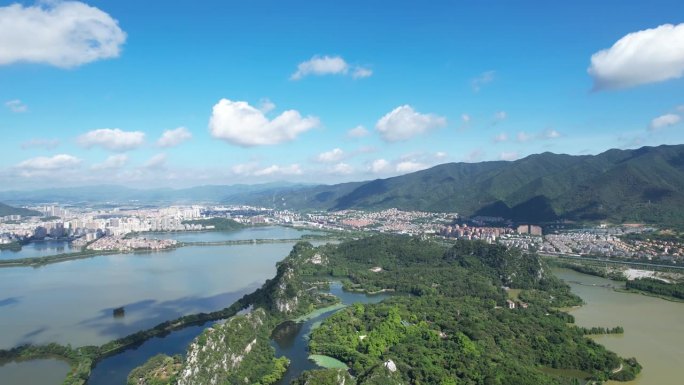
[[6, 210], [642, 185]]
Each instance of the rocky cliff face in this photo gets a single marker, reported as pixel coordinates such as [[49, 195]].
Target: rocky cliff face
[[221, 349]]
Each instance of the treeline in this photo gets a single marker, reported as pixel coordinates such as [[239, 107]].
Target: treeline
[[654, 286], [601, 330], [588, 269], [220, 224]]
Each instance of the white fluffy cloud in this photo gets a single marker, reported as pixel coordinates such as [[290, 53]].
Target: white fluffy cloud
[[403, 123], [275, 169], [16, 105], [112, 162], [317, 65], [329, 65], [664, 121], [500, 116], [334, 155], [252, 169], [379, 166], [63, 34], [410, 166], [156, 162], [358, 132], [241, 124], [266, 105], [44, 163], [342, 169], [648, 56], [510, 155], [172, 138], [112, 139]]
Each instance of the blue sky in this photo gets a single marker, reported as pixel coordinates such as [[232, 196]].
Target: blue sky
[[259, 91]]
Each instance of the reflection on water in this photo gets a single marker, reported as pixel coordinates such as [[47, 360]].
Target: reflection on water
[[73, 302], [262, 232], [38, 249], [38, 372], [654, 328]]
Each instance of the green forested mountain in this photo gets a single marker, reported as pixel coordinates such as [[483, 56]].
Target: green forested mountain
[[9, 210], [644, 185]]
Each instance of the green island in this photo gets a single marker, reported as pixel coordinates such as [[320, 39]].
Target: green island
[[450, 321], [219, 224]]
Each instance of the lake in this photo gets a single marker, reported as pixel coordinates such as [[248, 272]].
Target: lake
[[38, 249], [259, 232], [654, 328]]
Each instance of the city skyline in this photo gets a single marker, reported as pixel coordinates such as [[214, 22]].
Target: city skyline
[[226, 93]]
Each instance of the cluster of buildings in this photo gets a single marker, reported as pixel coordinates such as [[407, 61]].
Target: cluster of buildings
[[611, 244], [119, 243]]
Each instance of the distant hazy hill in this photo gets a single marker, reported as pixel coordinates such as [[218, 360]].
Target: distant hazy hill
[[644, 185], [119, 194], [9, 210]]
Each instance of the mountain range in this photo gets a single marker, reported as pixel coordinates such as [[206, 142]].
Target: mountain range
[[6, 210], [641, 185]]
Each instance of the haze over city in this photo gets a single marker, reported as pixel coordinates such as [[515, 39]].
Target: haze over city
[[146, 94]]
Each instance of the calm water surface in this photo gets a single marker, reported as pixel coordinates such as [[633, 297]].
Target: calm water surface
[[291, 339], [38, 249], [654, 328], [72, 302], [261, 232], [37, 372]]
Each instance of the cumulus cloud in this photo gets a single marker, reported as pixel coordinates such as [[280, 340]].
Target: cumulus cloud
[[664, 121], [241, 124], [379, 166], [500, 116], [172, 138], [361, 72], [317, 65], [44, 163], [358, 132], [509, 155], [329, 65], [266, 105], [410, 166], [342, 169], [275, 169], [403, 123], [502, 137], [331, 156], [647, 56], [112, 162], [112, 139], [47, 144], [484, 78], [253, 169], [156, 162], [60, 33], [439, 155], [15, 105]]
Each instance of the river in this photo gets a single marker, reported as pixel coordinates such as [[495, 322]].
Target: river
[[72, 302], [654, 328]]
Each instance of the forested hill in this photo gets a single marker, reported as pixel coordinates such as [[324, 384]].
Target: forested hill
[[6, 210], [642, 185]]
